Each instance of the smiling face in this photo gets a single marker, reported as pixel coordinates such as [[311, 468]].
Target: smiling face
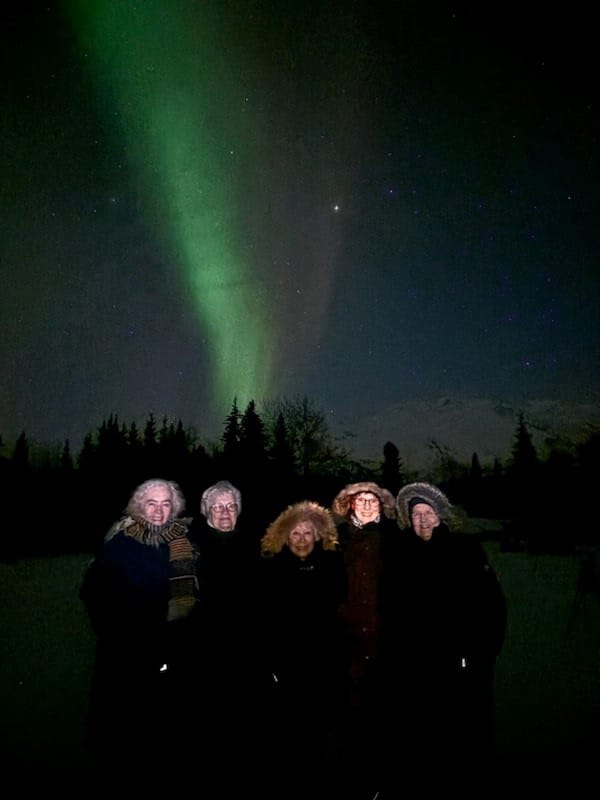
[[366, 507], [424, 520], [223, 512], [157, 505], [302, 538]]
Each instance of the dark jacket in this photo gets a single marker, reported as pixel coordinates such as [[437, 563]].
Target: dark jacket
[[227, 576], [364, 550], [304, 660], [300, 603], [443, 601], [220, 665], [445, 623], [126, 591]]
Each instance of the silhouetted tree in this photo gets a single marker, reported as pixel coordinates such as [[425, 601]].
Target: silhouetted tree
[[150, 436], [87, 454], [20, 454], [282, 466], [474, 490], [524, 455], [199, 474], [173, 451], [150, 455], [523, 475], [66, 460], [135, 458], [448, 469], [231, 433], [252, 445], [476, 473], [391, 470], [282, 451], [322, 464], [133, 436]]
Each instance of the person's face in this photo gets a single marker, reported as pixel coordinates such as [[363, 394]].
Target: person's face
[[366, 507], [223, 512], [157, 506], [301, 539], [424, 520]]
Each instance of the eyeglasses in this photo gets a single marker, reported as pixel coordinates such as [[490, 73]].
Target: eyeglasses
[[219, 508], [366, 501]]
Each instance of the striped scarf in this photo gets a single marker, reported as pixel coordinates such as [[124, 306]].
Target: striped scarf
[[183, 583]]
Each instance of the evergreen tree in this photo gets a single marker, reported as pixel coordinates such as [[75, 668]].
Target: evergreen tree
[[173, 450], [524, 455], [165, 434], [476, 473], [133, 437], [20, 454], [110, 436], [150, 440], [87, 455], [253, 438], [281, 451], [391, 470], [66, 460], [232, 434]]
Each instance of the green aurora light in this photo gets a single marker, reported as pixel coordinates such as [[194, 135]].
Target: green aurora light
[[186, 130]]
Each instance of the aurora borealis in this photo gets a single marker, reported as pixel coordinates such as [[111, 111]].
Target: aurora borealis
[[364, 203], [205, 157]]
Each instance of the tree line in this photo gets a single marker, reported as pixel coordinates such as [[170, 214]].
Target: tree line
[[57, 501]]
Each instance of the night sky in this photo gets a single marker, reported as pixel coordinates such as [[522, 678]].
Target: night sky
[[359, 202]]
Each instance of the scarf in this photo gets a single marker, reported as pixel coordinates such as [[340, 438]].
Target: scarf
[[358, 524], [183, 583]]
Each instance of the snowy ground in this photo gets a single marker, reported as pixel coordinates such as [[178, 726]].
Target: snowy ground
[[547, 686]]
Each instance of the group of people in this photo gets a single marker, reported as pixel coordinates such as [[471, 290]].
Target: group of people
[[329, 653]]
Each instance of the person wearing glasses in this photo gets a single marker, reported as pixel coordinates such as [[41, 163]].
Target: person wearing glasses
[[364, 513], [220, 680], [221, 505], [445, 627]]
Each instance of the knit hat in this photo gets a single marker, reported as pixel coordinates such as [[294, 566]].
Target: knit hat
[[341, 505], [414, 493], [414, 501]]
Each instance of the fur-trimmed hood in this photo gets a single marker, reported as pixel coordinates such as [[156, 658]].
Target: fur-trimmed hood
[[430, 494], [341, 504], [278, 531]]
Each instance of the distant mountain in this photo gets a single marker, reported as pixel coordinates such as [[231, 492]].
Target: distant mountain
[[463, 426]]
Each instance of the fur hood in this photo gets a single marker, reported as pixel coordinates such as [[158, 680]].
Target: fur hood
[[341, 504], [277, 533], [430, 494]]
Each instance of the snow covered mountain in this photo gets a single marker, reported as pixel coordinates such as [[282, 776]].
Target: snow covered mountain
[[462, 426]]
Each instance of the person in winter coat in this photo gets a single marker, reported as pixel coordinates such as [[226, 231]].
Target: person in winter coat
[[445, 627], [219, 674], [139, 591], [303, 585], [364, 513]]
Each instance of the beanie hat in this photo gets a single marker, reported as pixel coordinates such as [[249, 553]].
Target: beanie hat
[[414, 501]]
